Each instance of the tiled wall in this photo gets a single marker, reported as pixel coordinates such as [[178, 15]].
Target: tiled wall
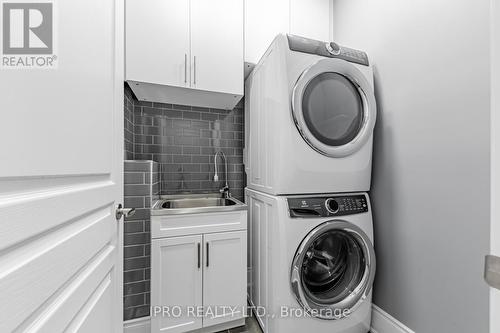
[[128, 125], [182, 140], [141, 188]]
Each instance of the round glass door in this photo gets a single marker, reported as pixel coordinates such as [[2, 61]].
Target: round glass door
[[333, 270], [334, 107]]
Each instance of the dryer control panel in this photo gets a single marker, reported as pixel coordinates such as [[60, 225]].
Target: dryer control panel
[[326, 206], [327, 49]]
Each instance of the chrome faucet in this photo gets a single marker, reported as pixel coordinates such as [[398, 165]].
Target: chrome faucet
[[224, 190]]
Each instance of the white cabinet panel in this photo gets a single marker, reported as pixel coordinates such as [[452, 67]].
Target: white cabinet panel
[[157, 41], [196, 224], [176, 282], [224, 280], [217, 45], [263, 21], [311, 18], [185, 51], [207, 269]]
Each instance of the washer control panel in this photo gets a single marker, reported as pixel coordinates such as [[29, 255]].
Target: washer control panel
[[327, 49], [326, 206]]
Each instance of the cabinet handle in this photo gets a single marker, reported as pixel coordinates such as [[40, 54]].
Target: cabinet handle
[[208, 255], [199, 255], [194, 61], [185, 68]]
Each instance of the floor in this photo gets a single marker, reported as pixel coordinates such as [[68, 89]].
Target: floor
[[251, 326]]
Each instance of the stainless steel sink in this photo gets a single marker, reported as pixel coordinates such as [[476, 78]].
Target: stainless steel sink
[[195, 203]]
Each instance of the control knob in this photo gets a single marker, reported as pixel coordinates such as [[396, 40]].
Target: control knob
[[332, 205], [333, 48]]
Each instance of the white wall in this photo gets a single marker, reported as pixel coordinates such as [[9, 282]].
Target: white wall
[[311, 18], [265, 19], [431, 161]]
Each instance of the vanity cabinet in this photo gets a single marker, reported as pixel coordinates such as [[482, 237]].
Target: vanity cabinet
[[185, 51], [224, 274], [203, 270], [176, 281]]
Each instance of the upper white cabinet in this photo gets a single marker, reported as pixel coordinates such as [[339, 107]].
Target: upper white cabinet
[[217, 45], [158, 41], [185, 51], [265, 19]]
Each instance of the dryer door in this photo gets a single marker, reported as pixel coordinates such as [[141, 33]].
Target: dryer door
[[333, 270], [334, 108]]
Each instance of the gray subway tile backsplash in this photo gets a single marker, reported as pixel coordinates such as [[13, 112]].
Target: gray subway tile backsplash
[[135, 202], [134, 226], [133, 275], [131, 300], [128, 124], [141, 180], [181, 140], [135, 288], [134, 251]]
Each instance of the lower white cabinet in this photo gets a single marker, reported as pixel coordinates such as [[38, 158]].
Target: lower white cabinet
[[198, 281], [224, 276], [176, 283]]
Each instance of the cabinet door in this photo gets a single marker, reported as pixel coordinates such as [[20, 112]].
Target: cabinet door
[[217, 45], [157, 41], [176, 283], [224, 280]]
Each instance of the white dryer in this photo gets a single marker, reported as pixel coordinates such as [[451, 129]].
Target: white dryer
[[309, 116], [311, 262]]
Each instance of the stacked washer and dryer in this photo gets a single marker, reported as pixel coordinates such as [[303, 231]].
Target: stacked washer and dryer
[[309, 114]]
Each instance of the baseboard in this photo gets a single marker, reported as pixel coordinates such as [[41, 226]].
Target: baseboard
[[139, 325], [382, 322], [143, 325]]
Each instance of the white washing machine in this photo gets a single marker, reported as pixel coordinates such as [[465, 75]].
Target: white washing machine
[[309, 116], [311, 262]]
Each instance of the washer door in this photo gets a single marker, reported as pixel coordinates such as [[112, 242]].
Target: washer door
[[334, 107], [333, 270]]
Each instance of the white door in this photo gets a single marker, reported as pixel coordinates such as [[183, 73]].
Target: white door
[[61, 141], [217, 45], [224, 278], [176, 283], [495, 159], [157, 41]]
